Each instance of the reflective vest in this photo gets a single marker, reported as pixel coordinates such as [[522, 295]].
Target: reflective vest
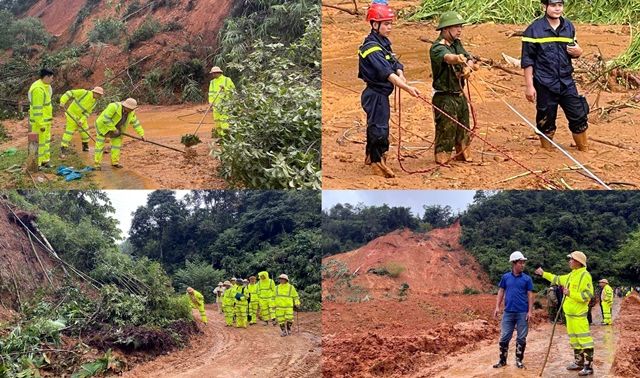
[[266, 287], [580, 290], [252, 289], [607, 294], [40, 108], [109, 118], [286, 295], [229, 296], [197, 299], [83, 102], [216, 91]]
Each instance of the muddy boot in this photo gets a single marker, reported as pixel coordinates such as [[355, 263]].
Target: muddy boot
[[85, 146], [289, 328], [379, 169], [504, 350], [544, 143], [283, 331], [274, 322], [586, 370], [463, 153], [581, 141], [520, 354], [578, 363], [442, 158]]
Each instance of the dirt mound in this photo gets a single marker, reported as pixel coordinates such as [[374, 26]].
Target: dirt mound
[[26, 265], [627, 359], [429, 263]]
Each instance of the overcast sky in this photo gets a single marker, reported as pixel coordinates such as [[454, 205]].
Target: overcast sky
[[415, 199], [127, 201]]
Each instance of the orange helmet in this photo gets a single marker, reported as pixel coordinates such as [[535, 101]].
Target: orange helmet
[[380, 12]]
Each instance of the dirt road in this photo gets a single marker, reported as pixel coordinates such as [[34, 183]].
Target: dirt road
[[343, 120], [146, 166], [258, 351], [478, 361]]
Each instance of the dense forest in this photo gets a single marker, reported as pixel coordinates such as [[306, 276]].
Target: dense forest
[[544, 225]]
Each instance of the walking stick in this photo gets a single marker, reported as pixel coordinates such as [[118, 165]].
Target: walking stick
[[205, 113], [298, 321], [156, 143], [553, 330]]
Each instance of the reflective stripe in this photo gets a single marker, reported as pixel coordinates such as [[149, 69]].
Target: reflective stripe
[[115, 147], [369, 51], [586, 345], [48, 119], [98, 150], [547, 39], [47, 103], [36, 114], [578, 316], [588, 334], [37, 107], [69, 132]]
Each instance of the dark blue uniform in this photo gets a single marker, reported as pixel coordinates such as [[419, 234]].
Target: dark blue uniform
[[546, 50], [376, 63]]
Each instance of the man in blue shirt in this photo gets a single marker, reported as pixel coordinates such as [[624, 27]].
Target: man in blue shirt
[[548, 46], [516, 289], [381, 71]]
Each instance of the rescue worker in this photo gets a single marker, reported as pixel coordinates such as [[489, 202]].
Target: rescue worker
[[220, 89], [197, 302], [381, 71], [41, 114], [552, 303], [606, 300], [82, 105], [286, 301], [548, 46], [578, 288], [217, 292], [451, 64], [252, 289], [266, 295], [241, 304], [112, 123], [228, 301], [516, 289]]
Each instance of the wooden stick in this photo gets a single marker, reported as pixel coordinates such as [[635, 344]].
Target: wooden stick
[[352, 12], [553, 331], [33, 248], [519, 176]]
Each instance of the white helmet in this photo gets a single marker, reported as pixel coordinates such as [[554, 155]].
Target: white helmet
[[517, 256]]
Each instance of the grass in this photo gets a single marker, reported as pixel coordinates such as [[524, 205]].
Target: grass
[[630, 59], [22, 180], [470, 291], [524, 11]]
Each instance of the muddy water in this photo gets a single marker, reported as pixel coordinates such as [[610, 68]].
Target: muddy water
[[478, 362]]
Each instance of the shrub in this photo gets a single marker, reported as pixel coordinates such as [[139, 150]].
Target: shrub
[[200, 276], [470, 291], [144, 32], [106, 30], [394, 269]]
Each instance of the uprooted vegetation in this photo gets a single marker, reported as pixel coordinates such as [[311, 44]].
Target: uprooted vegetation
[[84, 307]]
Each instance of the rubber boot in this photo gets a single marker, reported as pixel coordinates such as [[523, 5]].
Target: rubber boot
[[463, 153], [581, 141], [504, 350], [63, 153], [578, 363], [289, 324], [85, 146], [544, 143], [442, 157], [586, 370], [283, 331], [520, 347]]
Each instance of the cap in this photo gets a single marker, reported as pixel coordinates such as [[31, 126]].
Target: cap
[[604, 280], [98, 90], [284, 276]]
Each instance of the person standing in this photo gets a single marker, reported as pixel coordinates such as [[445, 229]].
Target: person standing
[[220, 90], [228, 300], [578, 289], [516, 289], [83, 101], [266, 294], [548, 47], [217, 293], [606, 301], [286, 301], [379, 68], [41, 115], [252, 289]]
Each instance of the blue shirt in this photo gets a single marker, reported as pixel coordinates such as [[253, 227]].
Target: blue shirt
[[546, 50], [376, 62], [516, 291]]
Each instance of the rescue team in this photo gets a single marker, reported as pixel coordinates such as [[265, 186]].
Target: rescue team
[[245, 301], [548, 46], [112, 123]]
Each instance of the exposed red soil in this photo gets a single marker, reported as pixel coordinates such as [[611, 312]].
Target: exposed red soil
[[627, 359], [387, 335], [343, 120]]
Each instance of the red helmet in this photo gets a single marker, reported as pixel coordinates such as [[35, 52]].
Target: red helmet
[[379, 13]]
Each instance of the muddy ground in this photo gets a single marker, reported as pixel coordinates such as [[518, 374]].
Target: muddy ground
[[343, 120], [258, 351], [146, 166]]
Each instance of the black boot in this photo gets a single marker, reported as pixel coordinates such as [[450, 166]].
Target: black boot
[[85, 146], [588, 364], [283, 331], [520, 354], [289, 328], [504, 349], [578, 362]]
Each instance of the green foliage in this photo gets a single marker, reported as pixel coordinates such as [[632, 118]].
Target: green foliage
[[438, 216], [523, 12], [470, 291], [627, 259], [106, 30], [394, 269], [630, 59], [100, 366], [122, 309], [546, 226], [84, 12], [133, 7], [346, 227], [149, 28], [4, 134], [191, 92], [17, 7], [21, 33], [200, 276]]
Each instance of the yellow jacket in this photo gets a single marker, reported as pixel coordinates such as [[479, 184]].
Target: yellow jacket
[[40, 108], [220, 88], [229, 296], [83, 102], [607, 294], [266, 287], [109, 118], [252, 291], [580, 290], [286, 296], [197, 300]]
